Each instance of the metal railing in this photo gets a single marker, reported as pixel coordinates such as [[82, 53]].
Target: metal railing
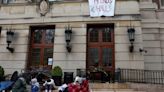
[[124, 75], [142, 76]]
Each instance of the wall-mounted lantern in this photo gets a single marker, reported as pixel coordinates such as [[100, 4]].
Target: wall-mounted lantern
[[9, 40], [142, 50], [68, 34], [131, 34]]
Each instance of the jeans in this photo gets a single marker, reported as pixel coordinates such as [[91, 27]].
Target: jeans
[[48, 88]]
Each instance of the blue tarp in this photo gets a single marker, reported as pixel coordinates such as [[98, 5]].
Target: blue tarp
[[5, 84]]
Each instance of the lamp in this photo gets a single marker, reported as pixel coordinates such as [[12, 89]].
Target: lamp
[[9, 40], [68, 34], [131, 34], [142, 50]]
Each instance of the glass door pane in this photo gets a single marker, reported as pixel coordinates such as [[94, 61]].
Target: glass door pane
[[48, 54], [106, 35], [107, 57], [35, 56], [162, 3], [93, 57], [93, 34], [38, 36], [49, 36]]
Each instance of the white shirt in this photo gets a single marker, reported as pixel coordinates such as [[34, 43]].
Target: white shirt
[[49, 83], [62, 87]]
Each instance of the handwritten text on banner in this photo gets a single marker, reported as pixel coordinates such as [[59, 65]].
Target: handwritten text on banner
[[101, 7]]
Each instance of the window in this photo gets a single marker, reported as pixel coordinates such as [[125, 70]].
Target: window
[[0, 31], [162, 3], [7, 1], [37, 1]]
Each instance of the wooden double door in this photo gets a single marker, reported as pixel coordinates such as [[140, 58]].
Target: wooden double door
[[100, 47], [41, 47]]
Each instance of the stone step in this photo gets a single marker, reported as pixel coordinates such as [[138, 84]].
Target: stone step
[[109, 86], [92, 90], [117, 91], [104, 90], [129, 91], [112, 89], [107, 90]]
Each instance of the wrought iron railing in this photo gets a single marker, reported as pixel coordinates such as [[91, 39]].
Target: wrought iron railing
[[142, 76], [122, 75]]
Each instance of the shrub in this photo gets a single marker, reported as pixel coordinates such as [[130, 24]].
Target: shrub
[[1, 71], [57, 71]]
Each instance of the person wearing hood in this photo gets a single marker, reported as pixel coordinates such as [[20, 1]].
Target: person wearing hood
[[34, 85], [20, 85]]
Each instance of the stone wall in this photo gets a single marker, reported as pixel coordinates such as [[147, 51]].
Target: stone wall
[[20, 17], [152, 27], [14, 61]]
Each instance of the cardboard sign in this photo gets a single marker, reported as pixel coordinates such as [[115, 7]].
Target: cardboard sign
[[101, 7], [50, 61]]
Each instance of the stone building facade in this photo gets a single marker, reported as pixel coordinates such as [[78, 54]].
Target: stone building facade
[[24, 18], [152, 32]]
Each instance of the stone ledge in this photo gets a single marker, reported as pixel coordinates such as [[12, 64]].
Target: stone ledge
[[148, 6]]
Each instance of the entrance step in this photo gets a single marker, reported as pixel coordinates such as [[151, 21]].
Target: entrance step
[[109, 86], [105, 91], [127, 90], [110, 90], [113, 90]]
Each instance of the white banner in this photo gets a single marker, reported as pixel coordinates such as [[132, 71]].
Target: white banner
[[101, 7]]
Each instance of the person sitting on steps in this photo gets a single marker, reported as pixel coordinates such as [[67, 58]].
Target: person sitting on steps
[[49, 85]]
